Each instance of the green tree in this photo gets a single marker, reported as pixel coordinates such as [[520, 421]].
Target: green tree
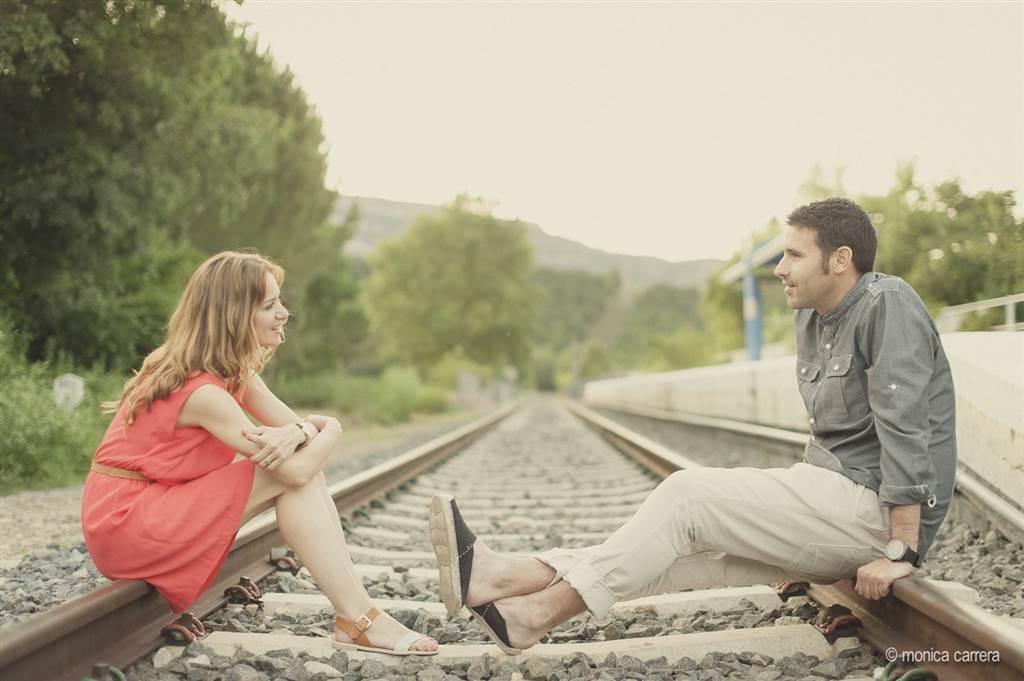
[[332, 325], [278, 180], [951, 247], [683, 348], [656, 312], [131, 133], [573, 301], [457, 279]]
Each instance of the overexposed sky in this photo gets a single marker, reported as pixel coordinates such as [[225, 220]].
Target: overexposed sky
[[670, 129]]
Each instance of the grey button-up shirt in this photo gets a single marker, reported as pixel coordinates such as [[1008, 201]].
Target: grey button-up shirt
[[879, 397]]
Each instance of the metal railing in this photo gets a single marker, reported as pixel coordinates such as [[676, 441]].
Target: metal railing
[[949, 318]]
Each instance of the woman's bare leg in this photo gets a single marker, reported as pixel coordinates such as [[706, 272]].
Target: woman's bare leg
[[310, 525]]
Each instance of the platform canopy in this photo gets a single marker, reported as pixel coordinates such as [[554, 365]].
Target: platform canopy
[[768, 253]]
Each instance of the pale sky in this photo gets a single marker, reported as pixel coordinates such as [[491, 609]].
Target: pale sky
[[665, 129]]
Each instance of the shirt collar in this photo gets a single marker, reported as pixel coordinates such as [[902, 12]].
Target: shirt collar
[[849, 300]]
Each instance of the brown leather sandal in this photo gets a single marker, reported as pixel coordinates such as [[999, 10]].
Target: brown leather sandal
[[356, 630]]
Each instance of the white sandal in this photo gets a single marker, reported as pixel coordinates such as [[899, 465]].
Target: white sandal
[[356, 630]]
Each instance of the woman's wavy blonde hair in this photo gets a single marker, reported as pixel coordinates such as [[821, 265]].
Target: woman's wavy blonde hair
[[212, 329]]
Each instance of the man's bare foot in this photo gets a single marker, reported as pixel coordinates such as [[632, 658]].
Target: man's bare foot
[[385, 632], [496, 576]]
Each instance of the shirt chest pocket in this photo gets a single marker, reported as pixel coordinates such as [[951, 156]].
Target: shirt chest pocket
[[842, 395], [807, 381]]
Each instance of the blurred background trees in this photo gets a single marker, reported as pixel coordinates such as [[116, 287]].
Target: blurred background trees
[[456, 281], [137, 138]]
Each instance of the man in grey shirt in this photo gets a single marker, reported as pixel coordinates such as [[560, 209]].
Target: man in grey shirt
[[873, 376], [874, 486]]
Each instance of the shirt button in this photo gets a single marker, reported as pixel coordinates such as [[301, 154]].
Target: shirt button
[[892, 387], [828, 346], [812, 420], [835, 367], [804, 370]]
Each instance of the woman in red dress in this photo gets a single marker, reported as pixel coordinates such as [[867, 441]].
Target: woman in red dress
[[181, 468]]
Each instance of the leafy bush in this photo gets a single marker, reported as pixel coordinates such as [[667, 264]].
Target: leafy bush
[[396, 395], [389, 398], [432, 400], [43, 445]]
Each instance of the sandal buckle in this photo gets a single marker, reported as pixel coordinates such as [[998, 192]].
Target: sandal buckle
[[362, 622]]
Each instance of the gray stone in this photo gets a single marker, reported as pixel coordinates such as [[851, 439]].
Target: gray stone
[[709, 675], [750, 620], [280, 652], [451, 633], [165, 656], [295, 672], [768, 675], [339, 660], [243, 672], [643, 631], [685, 664], [319, 670], [480, 669], [631, 664], [431, 674], [834, 668], [536, 668], [372, 669], [614, 632], [756, 659], [505, 670], [270, 665]]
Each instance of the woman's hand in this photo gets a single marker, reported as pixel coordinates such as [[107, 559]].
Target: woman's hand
[[276, 444], [324, 422]]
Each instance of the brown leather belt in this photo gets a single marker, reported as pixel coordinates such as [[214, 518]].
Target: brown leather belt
[[115, 472]]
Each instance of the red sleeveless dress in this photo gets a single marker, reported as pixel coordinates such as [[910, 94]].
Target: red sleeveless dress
[[175, 531]]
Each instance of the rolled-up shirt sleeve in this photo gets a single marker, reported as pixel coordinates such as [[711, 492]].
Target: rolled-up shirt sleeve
[[901, 347]]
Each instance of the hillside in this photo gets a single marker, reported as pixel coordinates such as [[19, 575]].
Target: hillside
[[382, 219]]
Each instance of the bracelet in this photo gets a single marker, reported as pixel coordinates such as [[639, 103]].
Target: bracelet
[[305, 435]]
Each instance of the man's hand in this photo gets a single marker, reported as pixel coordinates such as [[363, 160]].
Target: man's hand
[[276, 444], [874, 579]]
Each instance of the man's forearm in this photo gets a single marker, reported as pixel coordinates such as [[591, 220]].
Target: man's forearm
[[905, 523]]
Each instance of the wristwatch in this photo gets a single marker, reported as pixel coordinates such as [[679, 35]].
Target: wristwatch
[[898, 550]]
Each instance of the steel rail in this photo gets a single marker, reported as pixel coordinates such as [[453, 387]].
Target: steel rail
[[917, 620], [120, 622]]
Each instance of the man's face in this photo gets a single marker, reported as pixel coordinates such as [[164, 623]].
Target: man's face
[[801, 269]]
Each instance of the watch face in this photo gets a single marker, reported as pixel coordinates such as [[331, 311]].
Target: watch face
[[895, 549]]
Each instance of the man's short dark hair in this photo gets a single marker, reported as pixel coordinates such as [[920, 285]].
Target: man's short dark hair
[[839, 222]]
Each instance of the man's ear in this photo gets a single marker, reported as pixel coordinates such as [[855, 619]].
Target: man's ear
[[842, 259]]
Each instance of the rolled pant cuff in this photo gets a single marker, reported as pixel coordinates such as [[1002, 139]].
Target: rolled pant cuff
[[559, 560], [592, 590]]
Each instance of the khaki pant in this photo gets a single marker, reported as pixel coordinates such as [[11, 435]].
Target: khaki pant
[[714, 527]]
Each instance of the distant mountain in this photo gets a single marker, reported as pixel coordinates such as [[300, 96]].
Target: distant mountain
[[382, 219]]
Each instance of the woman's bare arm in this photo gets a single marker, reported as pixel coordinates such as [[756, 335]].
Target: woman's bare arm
[[212, 408], [265, 405]]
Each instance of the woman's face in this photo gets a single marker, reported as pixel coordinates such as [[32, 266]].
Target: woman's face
[[271, 315]]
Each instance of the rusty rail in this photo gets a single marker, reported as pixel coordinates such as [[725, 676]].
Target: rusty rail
[[120, 622], [956, 640]]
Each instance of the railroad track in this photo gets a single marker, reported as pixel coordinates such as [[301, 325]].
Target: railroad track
[[538, 479]]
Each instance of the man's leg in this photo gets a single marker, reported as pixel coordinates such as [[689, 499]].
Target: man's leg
[[803, 520], [708, 570]]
